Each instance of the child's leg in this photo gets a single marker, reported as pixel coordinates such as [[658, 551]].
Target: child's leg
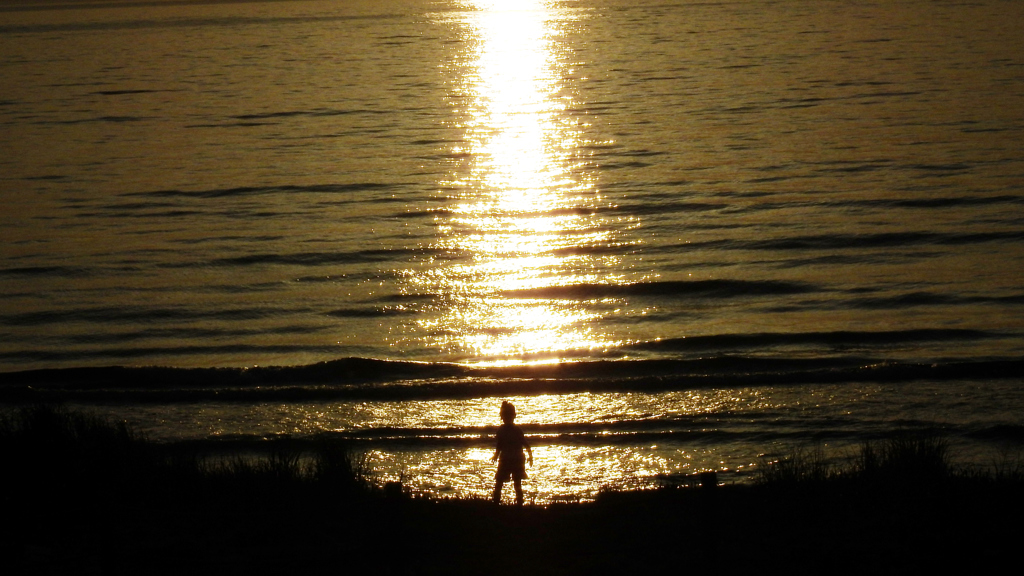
[[497, 490], [518, 483]]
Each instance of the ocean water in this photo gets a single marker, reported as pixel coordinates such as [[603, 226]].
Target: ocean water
[[680, 236]]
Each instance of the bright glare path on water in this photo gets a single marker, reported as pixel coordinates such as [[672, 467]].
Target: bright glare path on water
[[522, 210], [574, 441]]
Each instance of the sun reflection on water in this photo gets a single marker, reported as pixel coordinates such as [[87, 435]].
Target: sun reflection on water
[[523, 214]]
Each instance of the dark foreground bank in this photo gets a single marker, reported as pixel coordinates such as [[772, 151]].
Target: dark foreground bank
[[86, 496]]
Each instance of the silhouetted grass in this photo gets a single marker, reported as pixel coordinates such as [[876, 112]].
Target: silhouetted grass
[[87, 440], [800, 467], [903, 458], [51, 447], [1009, 470]]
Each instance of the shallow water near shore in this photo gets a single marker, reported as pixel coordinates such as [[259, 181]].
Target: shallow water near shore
[[679, 236], [440, 444]]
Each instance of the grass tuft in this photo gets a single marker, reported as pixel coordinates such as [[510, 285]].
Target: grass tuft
[[915, 459], [801, 467], [57, 449]]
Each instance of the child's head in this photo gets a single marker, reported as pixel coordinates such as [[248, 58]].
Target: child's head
[[508, 412]]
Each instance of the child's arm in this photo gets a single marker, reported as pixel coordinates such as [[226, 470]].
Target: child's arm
[[497, 447], [528, 451]]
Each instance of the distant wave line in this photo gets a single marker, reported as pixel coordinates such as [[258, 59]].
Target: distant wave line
[[835, 242], [835, 338], [120, 314], [361, 378], [223, 21], [721, 288], [321, 258], [260, 190], [65, 354], [759, 431]]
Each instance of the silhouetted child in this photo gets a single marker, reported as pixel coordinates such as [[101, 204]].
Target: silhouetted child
[[509, 454]]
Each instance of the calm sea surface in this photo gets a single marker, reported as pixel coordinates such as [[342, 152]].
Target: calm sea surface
[[678, 235]]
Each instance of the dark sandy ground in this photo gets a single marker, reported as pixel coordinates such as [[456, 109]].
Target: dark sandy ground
[[731, 529]]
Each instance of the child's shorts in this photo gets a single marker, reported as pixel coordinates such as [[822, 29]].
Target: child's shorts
[[515, 469]]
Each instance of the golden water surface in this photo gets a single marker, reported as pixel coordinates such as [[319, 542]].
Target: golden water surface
[[523, 213]]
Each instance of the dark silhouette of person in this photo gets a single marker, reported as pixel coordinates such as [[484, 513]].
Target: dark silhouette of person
[[509, 454]]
